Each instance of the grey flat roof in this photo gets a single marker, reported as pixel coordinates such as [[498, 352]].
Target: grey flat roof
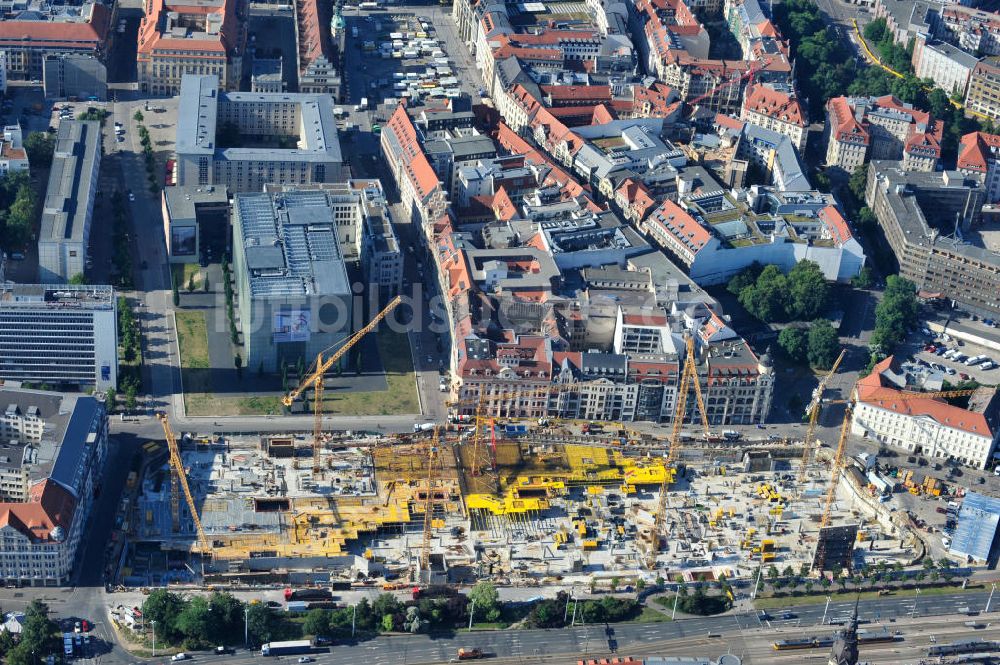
[[954, 53], [978, 519], [67, 196], [33, 296], [197, 118], [181, 201], [465, 146], [290, 243]]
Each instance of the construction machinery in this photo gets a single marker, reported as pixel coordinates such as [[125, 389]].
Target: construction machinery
[[813, 410], [688, 378], [314, 377], [178, 476]]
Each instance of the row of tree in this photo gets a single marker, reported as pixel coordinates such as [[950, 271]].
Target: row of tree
[[826, 67], [818, 344], [770, 295], [895, 316]]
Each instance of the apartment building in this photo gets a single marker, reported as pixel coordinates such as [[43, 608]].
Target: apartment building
[[423, 197], [860, 129], [926, 426], [983, 95], [314, 56], [978, 154], [26, 42], [948, 66], [971, 29], [67, 213], [205, 37], [776, 109], [276, 137], [59, 335], [931, 223], [41, 530]]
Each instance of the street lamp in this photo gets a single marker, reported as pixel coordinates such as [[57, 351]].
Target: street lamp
[[246, 626], [472, 611], [153, 624], [828, 599], [913, 611], [993, 587]]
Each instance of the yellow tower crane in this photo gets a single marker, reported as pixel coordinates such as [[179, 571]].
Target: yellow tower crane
[[688, 378], [314, 377], [425, 549], [814, 409], [179, 477]]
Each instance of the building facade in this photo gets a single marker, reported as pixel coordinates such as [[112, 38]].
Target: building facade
[[40, 536], [274, 138], [74, 75], [983, 95], [777, 110], [948, 66], [13, 156], [59, 335], [919, 213], [293, 292], [926, 426], [185, 37], [26, 43], [64, 237], [860, 129], [978, 153]]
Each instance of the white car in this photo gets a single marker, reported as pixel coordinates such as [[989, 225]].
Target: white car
[[178, 657], [131, 197], [305, 659]]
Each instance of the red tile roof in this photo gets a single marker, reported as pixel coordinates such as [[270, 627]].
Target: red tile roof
[[775, 104], [88, 36], [49, 505], [836, 224], [683, 227], [418, 169], [151, 39], [977, 150]]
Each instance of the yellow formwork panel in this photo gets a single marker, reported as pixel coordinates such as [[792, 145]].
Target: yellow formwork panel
[[507, 505], [584, 457]]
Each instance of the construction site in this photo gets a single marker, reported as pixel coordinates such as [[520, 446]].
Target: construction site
[[529, 505]]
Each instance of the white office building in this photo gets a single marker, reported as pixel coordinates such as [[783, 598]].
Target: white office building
[[59, 335]]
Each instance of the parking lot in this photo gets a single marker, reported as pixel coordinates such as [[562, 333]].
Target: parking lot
[[941, 357], [397, 54]]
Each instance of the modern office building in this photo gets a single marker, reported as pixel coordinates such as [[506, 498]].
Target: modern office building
[[182, 37], [931, 223], [269, 138], [55, 447], [74, 75], [948, 66], [64, 237], [364, 229], [59, 335], [195, 222], [293, 292]]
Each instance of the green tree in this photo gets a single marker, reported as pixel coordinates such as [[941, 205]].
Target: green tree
[[110, 400], [894, 315], [317, 622], [40, 147], [766, 299], [261, 623], [227, 614], [204, 285], [794, 342], [238, 362], [388, 623], [78, 278], [823, 344], [190, 284], [195, 623], [138, 116], [744, 279], [807, 291], [487, 600], [164, 607], [864, 278]]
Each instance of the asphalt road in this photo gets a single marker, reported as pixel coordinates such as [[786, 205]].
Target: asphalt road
[[739, 633]]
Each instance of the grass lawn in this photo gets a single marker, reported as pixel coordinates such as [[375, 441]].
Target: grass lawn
[[816, 599], [401, 395], [183, 272], [199, 400], [649, 615]]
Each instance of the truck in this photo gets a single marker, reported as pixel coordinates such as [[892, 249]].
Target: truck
[[466, 653], [363, 104], [307, 594], [288, 648], [423, 427]]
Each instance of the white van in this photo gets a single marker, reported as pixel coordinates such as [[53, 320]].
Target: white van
[[989, 364], [950, 353]]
